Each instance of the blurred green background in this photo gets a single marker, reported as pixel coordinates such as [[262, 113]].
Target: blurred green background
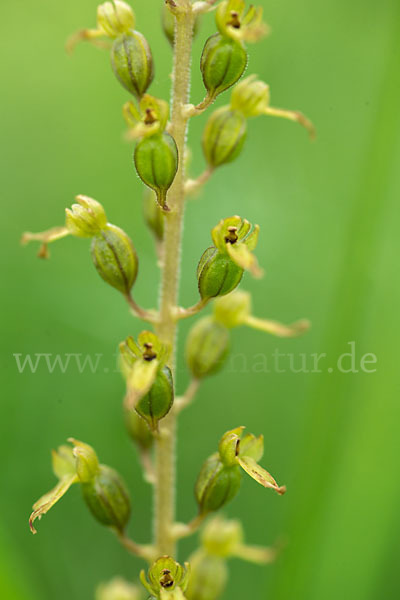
[[329, 217]]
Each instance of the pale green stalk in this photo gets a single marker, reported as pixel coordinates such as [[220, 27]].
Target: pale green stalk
[[164, 501]]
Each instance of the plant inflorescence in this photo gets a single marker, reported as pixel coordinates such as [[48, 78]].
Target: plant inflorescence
[[151, 405]]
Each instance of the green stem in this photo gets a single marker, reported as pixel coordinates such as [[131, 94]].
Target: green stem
[[164, 501]]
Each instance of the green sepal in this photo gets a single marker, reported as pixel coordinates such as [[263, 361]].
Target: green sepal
[[209, 576], [132, 62], [222, 64], [115, 258], [252, 446], [228, 446], [114, 18], [63, 462], [207, 348], [85, 219], [224, 136], [138, 429], [156, 162], [86, 461]]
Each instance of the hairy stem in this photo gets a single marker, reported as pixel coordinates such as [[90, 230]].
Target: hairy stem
[[164, 501]]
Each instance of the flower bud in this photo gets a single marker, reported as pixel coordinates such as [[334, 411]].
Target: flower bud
[[217, 274], [86, 218], [251, 97], [138, 430], [118, 589], [223, 62], [168, 24], [114, 18], [153, 215], [208, 577], [221, 537], [157, 403], [115, 258], [207, 347], [87, 463], [156, 162], [107, 498], [224, 136], [132, 62], [233, 310], [216, 484]]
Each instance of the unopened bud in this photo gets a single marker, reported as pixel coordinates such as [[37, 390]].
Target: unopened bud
[[207, 347], [157, 403], [153, 215], [168, 24], [221, 537], [107, 498], [217, 274], [251, 97], [132, 62], [208, 577], [233, 310], [223, 62], [156, 162], [138, 430], [118, 589], [216, 484], [224, 136], [85, 219], [114, 18], [115, 258]]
